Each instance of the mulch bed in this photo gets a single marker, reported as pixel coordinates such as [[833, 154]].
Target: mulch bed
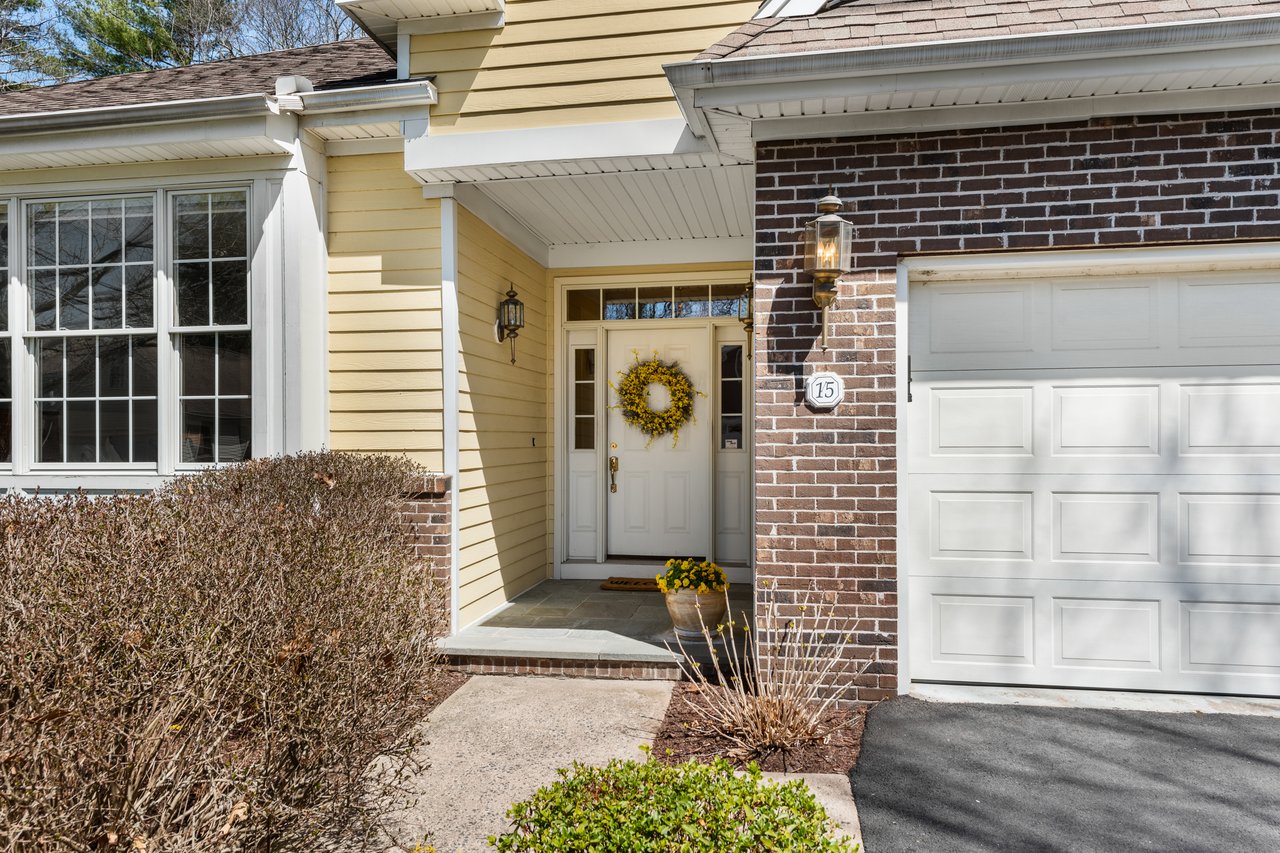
[[684, 736], [446, 684]]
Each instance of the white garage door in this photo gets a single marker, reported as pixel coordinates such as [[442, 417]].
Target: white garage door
[[1094, 482]]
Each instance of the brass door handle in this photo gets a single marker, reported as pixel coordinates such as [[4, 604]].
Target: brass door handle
[[613, 474]]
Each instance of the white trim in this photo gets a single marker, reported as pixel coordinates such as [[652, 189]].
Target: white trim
[[404, 48], [577, 570], [1161, 39], [492, 20], [357, 147], [1024, 112], [497, 217], [1201, 257], [649, 252], [902, 356], [271, 220], [267, 132], [304, 276], [401, 94], [451, 346], [653, 138]]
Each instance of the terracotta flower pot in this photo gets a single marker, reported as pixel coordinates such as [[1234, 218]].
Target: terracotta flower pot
[[684, 605]]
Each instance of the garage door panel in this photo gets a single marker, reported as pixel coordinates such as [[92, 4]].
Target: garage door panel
[[1093, 315], [1093, 486], [1057, 423], [982, 420], [1126, 636], [1090, 322], [1105, 527], [1230, 528], [1239, 418], [982, 525], [1230, 312]]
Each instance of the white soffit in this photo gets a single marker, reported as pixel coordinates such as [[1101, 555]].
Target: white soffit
[[1195, 66], [632, 207], [246, 137], [560, 151], [383, 19]]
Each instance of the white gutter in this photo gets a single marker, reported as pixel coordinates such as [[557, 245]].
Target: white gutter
[[408, 93], [747, 80], [231, 106]]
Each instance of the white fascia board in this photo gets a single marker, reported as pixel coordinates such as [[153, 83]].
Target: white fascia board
[[497, 217], [1005, 74], [652, 138], [931, 119], [233, 106], [272, 131], [768, 79], [491, 20], [1154, 39], [646, 252]]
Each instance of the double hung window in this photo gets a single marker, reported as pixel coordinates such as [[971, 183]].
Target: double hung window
[[134, 337]]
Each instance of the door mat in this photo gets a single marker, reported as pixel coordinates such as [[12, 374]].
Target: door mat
[[631, 584]]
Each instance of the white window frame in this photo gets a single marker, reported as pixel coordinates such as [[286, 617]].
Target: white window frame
[[265, 274]]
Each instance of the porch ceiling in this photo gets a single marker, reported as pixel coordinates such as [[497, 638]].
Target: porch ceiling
[[631, 207]]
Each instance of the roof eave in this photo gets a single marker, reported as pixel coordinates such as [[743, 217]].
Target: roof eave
[[967, 53], [232, 106]]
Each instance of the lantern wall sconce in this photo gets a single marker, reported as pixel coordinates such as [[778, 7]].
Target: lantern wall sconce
[[828, 253], [510, 320], [746, 313]]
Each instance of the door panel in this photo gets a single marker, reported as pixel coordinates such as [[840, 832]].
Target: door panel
[[662, 507], [1094, 483]]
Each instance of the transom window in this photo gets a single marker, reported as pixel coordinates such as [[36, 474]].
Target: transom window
[[663, 302], [137, 317]]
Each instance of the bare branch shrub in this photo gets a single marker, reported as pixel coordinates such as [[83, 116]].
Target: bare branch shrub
[[214, 667], [778, 689]]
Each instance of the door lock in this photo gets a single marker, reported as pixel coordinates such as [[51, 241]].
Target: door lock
[[613, 474]]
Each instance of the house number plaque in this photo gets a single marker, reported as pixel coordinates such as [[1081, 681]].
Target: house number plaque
[[823, 390]]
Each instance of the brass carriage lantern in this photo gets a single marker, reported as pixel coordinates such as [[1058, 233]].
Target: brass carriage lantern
[[510, 320], [746, 313], [828, 254]]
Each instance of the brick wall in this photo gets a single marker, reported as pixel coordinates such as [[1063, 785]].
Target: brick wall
[[826, 482], [426, 517]]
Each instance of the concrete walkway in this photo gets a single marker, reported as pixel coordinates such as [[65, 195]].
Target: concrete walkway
[[498, 739], [972, 778]]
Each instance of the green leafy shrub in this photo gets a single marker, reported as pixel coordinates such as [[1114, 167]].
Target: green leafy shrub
[[213, 667], [648, 807]]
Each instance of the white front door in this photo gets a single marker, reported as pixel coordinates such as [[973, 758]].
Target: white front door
[[662, 505]]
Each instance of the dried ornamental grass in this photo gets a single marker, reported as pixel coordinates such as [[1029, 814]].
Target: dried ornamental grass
[[779, 689], [213, 667]]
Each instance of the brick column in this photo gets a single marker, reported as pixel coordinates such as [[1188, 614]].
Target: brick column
[[426, 517]]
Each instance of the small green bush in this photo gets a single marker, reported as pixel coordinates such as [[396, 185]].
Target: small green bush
[[635, 807]]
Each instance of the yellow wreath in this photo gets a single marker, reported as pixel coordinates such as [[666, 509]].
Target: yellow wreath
[[633, 398]]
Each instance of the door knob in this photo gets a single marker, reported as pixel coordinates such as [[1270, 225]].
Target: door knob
[[613, 474]]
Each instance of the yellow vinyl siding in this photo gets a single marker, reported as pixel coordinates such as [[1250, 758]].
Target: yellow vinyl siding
[[384, 311], [562, 62], [503, 436]]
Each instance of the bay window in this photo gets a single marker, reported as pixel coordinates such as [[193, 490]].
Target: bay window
[[134, 335]]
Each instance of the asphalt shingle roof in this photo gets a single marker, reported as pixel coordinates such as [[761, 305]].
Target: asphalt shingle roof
[[328, 66], [868, 23]]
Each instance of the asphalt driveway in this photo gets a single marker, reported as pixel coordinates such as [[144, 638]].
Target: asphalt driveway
[[967, 777]]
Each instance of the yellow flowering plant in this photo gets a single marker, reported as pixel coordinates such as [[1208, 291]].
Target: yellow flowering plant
[[633, 397], [695, 575]]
